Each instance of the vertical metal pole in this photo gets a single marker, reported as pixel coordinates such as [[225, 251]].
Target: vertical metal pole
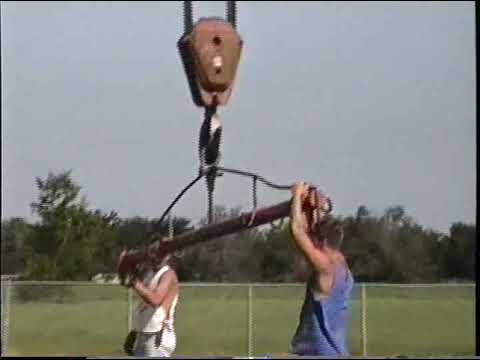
[[3, 352], [250, 322], [5, 315], [364, 320]]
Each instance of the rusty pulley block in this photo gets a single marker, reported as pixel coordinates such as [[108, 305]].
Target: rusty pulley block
[[210, 51]]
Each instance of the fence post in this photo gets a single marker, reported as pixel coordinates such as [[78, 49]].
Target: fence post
[[364, 320], [5, 315], [129, 312], [250, 322]]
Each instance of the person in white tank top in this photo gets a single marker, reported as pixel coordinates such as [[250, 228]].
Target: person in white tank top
[[153, 333]]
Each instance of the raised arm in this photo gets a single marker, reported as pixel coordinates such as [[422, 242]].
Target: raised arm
[[155, 297], [298, 225]]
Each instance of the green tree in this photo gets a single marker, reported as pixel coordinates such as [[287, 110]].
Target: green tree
[[70, 242], [276, 254], [458, 252], [15, 232]]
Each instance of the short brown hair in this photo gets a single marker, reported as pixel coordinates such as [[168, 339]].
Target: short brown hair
[[335, 236], [330, 232]]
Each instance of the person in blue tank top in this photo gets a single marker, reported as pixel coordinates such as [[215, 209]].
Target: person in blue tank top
[[323, 323]]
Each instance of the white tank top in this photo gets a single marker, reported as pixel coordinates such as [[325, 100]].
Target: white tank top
[[149, 319]]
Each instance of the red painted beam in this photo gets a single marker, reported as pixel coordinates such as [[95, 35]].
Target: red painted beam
[[155, 252], [241, 223]]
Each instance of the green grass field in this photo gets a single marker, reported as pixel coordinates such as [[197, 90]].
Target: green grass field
[[93, 321]]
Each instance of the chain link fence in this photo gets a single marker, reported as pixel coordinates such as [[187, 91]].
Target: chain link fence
[[84, 318]]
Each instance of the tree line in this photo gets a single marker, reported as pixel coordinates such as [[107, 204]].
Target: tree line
[[70, 241]]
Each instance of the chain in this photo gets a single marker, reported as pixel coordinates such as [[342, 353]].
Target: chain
[[210, 189], [170, 226], [209, 152], [232, 13], [254, 196], [254, 187], [209, 141], [187, 16], [171, 234]]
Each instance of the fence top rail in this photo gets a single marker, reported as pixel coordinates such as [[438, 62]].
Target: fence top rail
[[419, 285], [206, 284]]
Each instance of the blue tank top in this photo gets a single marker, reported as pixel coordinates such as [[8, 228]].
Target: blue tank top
[[322, 329]]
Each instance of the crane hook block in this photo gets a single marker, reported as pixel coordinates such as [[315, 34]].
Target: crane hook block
[[210, 54]]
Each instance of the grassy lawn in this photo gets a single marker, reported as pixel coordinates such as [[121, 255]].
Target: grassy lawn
[[214, 321], [421, 327]]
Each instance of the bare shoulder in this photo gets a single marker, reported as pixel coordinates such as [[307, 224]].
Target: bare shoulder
[[173, 282], [167, 282], [174, 276], [171, 276], [168, 278]]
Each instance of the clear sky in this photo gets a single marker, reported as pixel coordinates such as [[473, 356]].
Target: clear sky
[[375, 102]]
